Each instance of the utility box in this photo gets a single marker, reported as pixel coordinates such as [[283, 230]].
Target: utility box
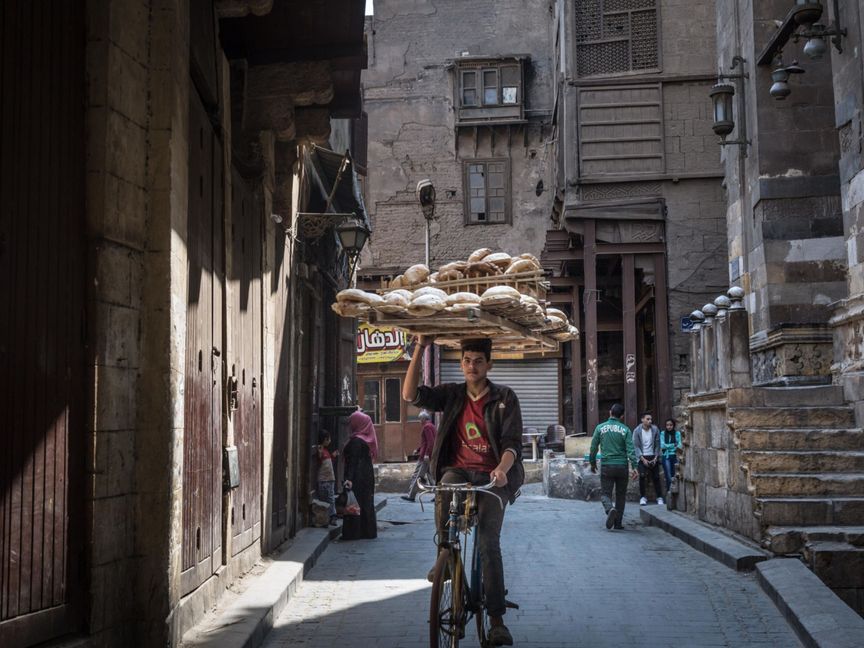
[[230, 468]]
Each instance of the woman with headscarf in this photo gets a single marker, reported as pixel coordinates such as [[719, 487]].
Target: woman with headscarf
[[359, 453]]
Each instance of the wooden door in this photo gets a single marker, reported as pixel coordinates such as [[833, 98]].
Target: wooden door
[[202, 439], [43, 374], [245, 364], [396, 422]]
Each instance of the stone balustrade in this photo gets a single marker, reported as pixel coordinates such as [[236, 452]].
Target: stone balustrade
[[719, 345]]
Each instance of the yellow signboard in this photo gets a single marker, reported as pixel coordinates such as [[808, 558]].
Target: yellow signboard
[[381, 344]]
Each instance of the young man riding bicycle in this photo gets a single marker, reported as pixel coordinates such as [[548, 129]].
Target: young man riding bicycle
[[479, 440]]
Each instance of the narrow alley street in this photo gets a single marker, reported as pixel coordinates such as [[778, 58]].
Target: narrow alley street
[[577, 584]]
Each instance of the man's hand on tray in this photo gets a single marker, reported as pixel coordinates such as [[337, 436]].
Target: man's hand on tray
[[424, 340]]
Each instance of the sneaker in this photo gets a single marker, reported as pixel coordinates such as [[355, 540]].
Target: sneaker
[[611, 517], [643, 501], [406, 498], [660, 501], [500, 636]]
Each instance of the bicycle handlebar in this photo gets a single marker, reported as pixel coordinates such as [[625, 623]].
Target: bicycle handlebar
[[428, 489]]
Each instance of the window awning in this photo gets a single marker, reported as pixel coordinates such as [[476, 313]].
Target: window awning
[[335, 177]]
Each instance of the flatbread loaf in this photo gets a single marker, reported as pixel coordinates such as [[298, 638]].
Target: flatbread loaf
[[396, 282], [554, 312], [429, 290], [449, 275], [462, 298], [477, 255], [356, 295], [500, 259], [481, 268], [415, 274], [520, 265], [397, 298], [350, 309], [459, 266], [500, 296]]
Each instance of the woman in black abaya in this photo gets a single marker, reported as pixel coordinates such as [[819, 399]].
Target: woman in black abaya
[[358, 454]]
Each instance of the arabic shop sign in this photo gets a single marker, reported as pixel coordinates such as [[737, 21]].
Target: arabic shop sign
[[381, 344]]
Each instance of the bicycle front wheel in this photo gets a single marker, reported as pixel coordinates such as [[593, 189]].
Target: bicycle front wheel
[[446, 612]]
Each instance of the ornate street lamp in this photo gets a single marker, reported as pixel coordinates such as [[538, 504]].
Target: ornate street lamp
[[352, 236], [722, 94]]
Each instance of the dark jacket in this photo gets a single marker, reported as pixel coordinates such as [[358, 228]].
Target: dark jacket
[[503, 424]]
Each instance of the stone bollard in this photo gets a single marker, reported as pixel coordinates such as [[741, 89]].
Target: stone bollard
[[739, 340]]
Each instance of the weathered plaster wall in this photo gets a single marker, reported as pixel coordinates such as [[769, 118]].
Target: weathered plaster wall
[[408, 96]]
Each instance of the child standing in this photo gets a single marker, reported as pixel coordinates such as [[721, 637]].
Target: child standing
[[326, 475], [670, 441]]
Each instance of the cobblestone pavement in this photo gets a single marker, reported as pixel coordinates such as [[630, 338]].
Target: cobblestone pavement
[[577, 585]]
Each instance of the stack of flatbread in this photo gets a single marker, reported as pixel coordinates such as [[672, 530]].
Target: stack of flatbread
[[419, 293]]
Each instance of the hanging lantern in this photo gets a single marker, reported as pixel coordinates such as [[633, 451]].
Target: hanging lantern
[[724, 122]]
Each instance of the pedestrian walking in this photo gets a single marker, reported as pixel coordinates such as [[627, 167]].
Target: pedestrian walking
[[615, 442], [646, 440], [424, 451], [670, 441], [359, 453], [480, 441], [326, 475]]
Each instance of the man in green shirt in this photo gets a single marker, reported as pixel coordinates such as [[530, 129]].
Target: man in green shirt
[[616, 448]]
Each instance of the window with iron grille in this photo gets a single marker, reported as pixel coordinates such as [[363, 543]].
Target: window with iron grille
[[487, 191], [616, 36]]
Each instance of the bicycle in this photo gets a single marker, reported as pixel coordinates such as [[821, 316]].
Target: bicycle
[[455, 600]]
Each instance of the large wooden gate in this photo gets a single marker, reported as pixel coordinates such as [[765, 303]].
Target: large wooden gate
[[202, 439], [245, 363], [42, 343]]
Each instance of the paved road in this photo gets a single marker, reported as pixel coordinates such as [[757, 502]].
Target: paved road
[[578, 585]]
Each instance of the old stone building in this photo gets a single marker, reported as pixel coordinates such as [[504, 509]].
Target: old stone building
[[460, 93], [167, 256], [774, 450], [638, 227]]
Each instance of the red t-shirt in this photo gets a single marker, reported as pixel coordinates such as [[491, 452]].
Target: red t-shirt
[[471, 448]]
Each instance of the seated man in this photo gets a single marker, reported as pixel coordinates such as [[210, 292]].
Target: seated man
[[479, 440]]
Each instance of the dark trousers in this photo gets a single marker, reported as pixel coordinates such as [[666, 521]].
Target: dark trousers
[[669, 464], [490, 517], [614, 478], [654, 472]]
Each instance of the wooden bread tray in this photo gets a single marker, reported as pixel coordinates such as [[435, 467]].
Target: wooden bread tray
[[531, 283], [450, 329]]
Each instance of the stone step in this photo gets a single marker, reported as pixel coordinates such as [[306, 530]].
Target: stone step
[[812, 396], [794, 539], [832, 416], [817, 510], [840, 565], [779, 484], [800, 439], [804, 461]]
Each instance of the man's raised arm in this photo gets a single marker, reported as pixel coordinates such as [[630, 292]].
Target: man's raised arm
[[412, 376]]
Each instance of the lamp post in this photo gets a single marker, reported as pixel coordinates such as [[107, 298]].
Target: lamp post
[[426, 196]]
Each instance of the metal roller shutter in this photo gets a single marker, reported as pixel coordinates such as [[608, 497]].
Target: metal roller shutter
[[534, 381]]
